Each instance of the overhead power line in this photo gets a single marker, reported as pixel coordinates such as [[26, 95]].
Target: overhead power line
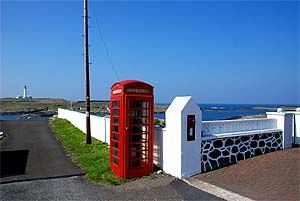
[[105, 45]]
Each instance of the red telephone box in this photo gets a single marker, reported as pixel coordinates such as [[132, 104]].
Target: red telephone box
[[131, 128]]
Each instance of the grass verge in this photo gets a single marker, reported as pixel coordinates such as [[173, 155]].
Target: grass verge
[[93, 158]]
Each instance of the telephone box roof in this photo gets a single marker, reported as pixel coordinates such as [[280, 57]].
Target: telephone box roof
[[125, 83]]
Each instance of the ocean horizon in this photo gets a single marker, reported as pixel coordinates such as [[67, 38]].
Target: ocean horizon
[[210, 111], [224, 111]]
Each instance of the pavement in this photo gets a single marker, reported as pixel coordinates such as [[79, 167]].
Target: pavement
[[273, 176], [50, 173], [46, 158], [77, 188]]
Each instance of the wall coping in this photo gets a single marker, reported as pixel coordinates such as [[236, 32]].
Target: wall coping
[[276, 113], [83, 113], [243, 133], [160, 128], [236, 120], [293, 112]]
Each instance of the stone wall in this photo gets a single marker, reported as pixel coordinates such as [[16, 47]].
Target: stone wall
[[220, 152]]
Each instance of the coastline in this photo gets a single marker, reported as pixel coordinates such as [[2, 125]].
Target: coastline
[[48, 107]]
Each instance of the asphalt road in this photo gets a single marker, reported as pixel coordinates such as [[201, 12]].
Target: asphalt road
[[47, 160], [77, 188]]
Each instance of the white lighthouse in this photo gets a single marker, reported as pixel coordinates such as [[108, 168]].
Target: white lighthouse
[[25, 92]]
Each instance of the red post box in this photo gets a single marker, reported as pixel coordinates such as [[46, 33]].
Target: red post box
[[131, 128]]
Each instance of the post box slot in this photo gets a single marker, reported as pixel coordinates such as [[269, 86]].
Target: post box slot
[[191, 127]]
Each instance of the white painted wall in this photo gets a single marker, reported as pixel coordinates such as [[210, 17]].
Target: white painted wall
[[285, 123], [158, 146], [297, 121], [172, 143], [100, 129], [231, 126], [296, 132], [181, 157], [100, 126]]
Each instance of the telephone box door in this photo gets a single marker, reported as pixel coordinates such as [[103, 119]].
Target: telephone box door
[[139, 158]]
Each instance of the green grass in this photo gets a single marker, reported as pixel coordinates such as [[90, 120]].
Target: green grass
[[93, 158]]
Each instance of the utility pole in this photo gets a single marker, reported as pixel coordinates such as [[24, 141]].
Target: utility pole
[[87, 74]]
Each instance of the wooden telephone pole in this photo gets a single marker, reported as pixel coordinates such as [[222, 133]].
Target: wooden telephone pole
[[87, 74]]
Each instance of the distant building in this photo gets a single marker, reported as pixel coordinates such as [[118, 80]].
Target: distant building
[[25, 94]]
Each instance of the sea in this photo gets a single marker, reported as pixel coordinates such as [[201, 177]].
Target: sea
[[20, 117], [210, 111], [226, 111]]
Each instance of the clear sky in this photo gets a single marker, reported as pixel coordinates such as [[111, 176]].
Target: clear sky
[[217, 52]]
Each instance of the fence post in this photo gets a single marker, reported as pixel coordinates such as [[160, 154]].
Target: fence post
[[285, 123], [182, 138]]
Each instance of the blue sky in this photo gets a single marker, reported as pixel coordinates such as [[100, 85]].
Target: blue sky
[[217, 52]]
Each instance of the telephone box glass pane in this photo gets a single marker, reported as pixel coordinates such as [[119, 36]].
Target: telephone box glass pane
[[115, 104], [115, 112], [139, 129], [115, 136], [115, 145], [116, 129], [139, 155], [140, 120], [139, 113], [115, 153], [139, 104], [136, 138], [115, 161], [115, 120]]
